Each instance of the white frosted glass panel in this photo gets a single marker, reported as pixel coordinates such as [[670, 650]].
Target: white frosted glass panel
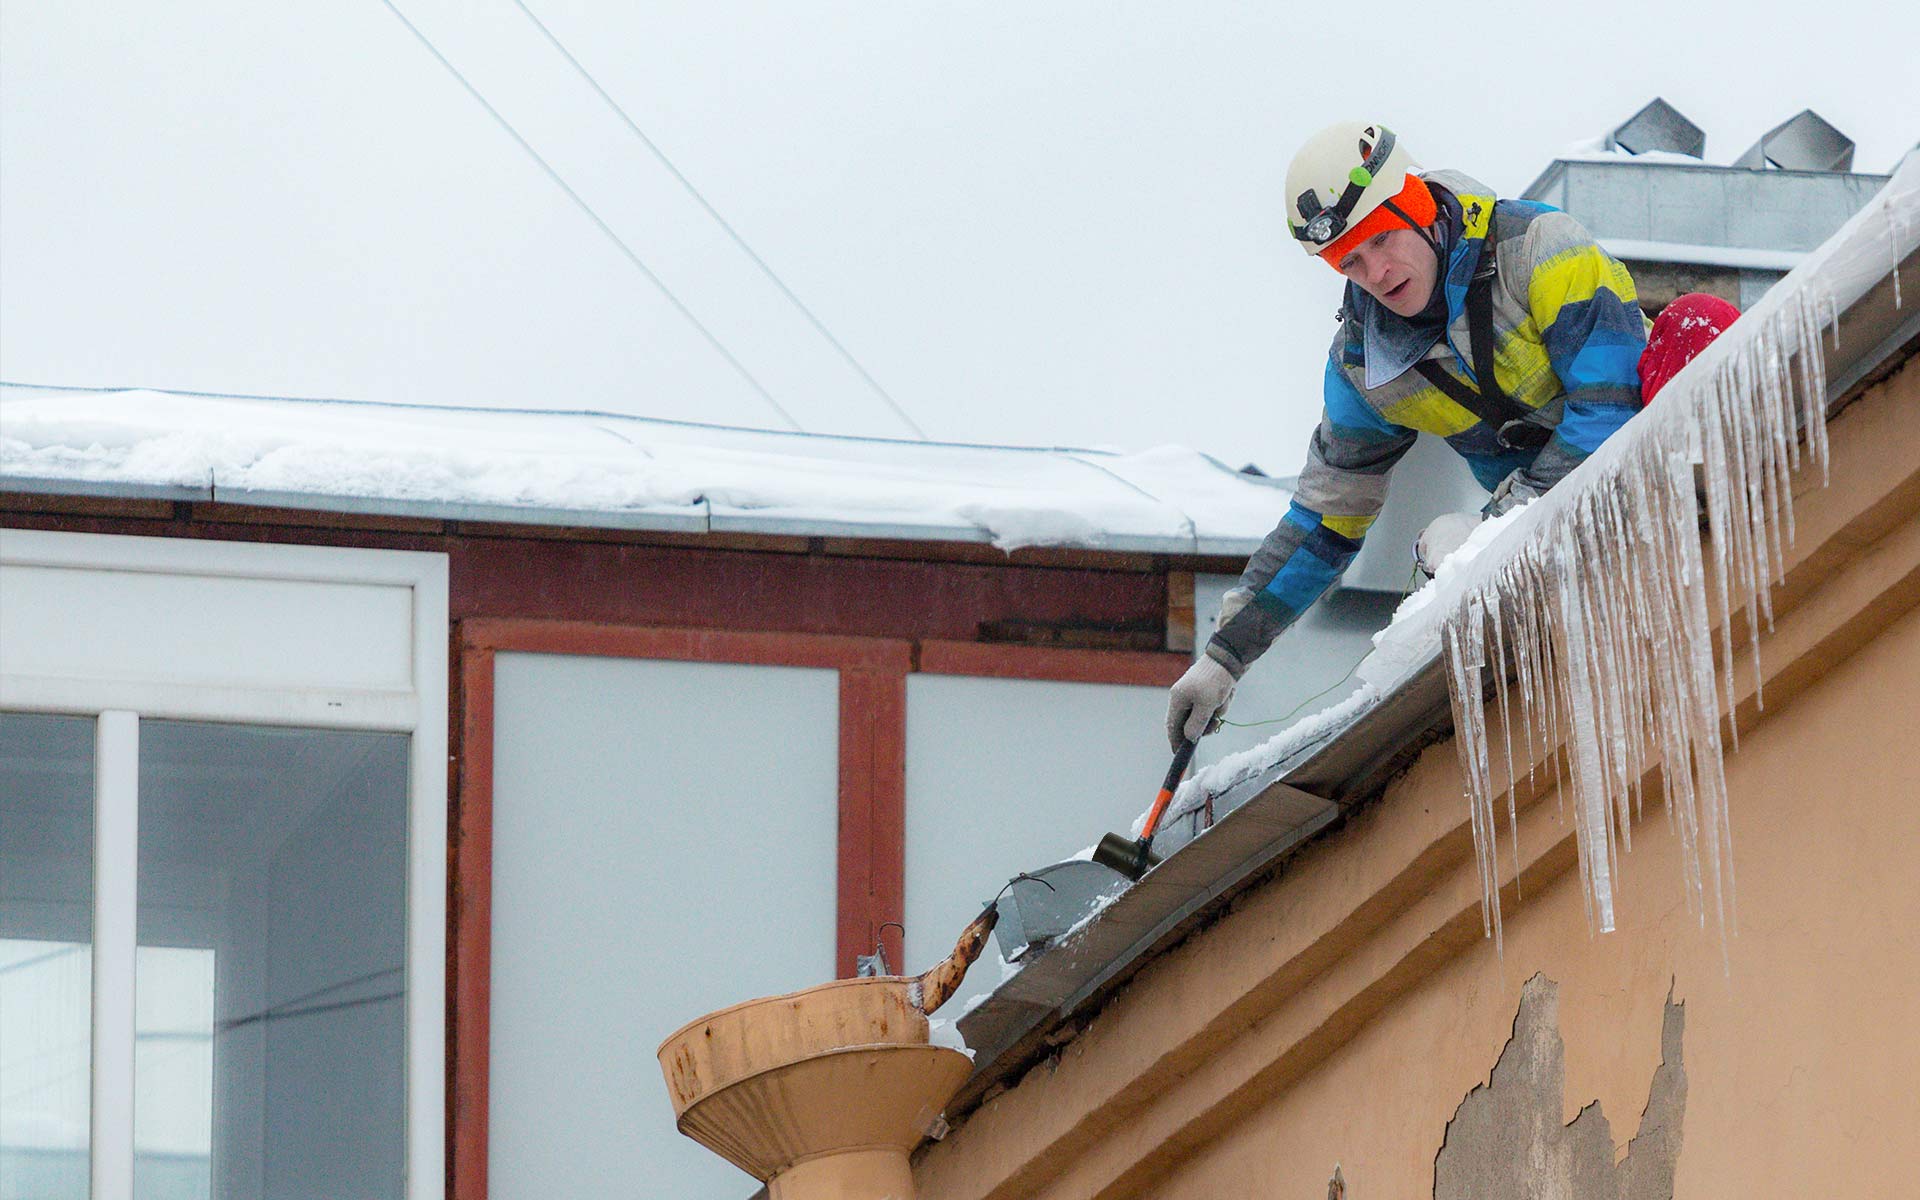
[[664, 842], [1008, 775], [173, 1073], [46, 955], [205, 629], [269, 996]]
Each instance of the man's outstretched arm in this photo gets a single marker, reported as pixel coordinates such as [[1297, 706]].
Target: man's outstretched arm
[[1340, 493]]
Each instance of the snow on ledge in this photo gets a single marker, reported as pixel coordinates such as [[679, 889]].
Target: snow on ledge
[[598, 468]]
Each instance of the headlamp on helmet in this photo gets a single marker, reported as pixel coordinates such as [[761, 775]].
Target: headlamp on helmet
[[1321, 224], [1350, 181]]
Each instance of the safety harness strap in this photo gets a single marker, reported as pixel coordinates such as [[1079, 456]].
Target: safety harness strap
[[1490, 403]]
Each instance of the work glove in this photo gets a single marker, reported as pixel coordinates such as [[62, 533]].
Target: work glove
[[1513, 491], [1198, 701], [1445, 534], [1231, 603]]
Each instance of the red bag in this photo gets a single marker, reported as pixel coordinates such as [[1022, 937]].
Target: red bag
[[1681, 331]]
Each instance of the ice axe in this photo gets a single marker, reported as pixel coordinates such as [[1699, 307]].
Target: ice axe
[[1132, 857]]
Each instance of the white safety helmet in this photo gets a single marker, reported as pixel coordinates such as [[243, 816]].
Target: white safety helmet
[[1349, 182]]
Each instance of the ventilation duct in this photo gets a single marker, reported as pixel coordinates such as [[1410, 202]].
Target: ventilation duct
[[1805, 143], [1659, 126]]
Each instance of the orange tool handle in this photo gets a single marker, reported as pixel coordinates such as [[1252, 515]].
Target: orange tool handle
[[1181, 758]]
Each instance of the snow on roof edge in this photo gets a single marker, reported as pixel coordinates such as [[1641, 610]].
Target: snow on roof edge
[[582, 468]]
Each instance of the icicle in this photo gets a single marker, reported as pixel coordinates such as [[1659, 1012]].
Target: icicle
[[1605, 617], [1899, 230], [1589, 783], [1506, 724]]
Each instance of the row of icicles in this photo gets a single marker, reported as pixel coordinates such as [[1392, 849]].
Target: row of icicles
[[1597, 631]]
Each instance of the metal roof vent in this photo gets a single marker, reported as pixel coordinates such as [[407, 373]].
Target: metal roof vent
[[1805, 143], [1659, 126]]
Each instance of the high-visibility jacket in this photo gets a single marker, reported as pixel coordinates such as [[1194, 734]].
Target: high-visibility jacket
[[1567, 335]]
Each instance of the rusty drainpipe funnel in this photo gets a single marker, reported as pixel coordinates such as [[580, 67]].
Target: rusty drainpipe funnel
[[823, 1092]]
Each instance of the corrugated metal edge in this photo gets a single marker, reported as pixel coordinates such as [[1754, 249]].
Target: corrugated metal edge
[[693, 519], [1123, 543], [738, 522], [45, 485]]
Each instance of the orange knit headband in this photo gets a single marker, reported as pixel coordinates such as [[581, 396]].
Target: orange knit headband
[[1415, 200]]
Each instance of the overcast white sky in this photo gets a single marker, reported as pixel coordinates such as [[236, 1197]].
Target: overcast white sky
[[1053, 224]]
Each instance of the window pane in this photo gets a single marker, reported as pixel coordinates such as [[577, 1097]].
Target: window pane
[[975, 809], [269, 1018], [646, 869], [46, 955]]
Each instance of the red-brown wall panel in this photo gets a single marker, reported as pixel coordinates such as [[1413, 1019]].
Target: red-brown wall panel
[[802, 593]]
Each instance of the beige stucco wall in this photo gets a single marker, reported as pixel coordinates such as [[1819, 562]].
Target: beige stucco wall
[[1802, 1054], [1342, 1012]]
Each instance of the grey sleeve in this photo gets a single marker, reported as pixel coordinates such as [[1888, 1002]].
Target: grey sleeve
[[1341, 490]]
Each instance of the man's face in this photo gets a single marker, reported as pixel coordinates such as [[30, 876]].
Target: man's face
[[1398, 268]]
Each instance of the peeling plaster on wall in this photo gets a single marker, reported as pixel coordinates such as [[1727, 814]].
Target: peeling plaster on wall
[[1506, 1142]]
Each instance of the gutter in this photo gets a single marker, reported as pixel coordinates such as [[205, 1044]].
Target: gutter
[[1270, 816]]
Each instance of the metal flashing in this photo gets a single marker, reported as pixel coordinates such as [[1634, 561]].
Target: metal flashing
[[695, 519], [691, 520], [1087, 959], [737, 522], [103, 489]]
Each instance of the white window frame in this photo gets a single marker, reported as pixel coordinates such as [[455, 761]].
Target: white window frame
[[118, 706]]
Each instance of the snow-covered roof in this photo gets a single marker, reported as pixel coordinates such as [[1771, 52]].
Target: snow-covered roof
[[606, 470]]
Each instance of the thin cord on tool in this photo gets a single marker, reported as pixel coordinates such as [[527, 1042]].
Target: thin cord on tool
[[605, 228], [1296, 708], [721, 221], [1336, 683], [1022, 877]]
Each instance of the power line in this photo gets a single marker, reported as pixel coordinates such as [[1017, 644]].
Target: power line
[[721, 221], [422, 406], [605, 228]]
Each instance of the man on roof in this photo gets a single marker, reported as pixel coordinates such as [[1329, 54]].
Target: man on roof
[[1498, 325]]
